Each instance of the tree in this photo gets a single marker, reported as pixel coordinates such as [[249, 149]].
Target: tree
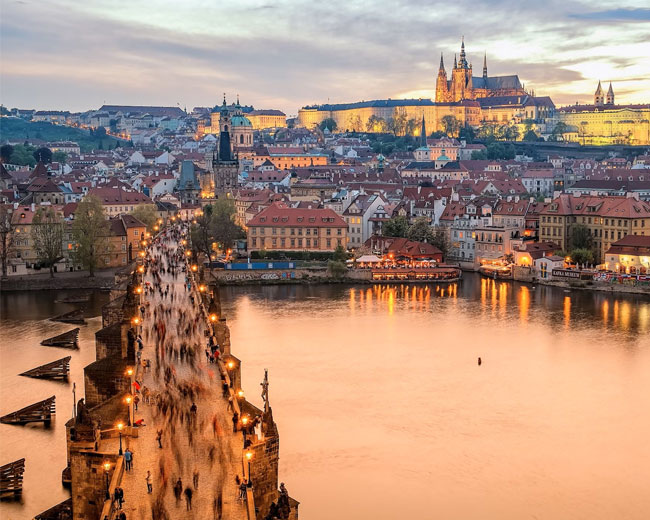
[[226, 230], [340, 255], [91, 232], [467, 133], [6, 150], [100, 133], [146, 213], [582, 256], [47, 234], [451, 125], [43, 155], [420, 230], [558, 131], [440, 241], [328, 123], [6, 236], [581, 237], [411, 126], [60, 157], [530, 135], [487, 131], [23, 155], [396, 227], [479, 155], [337, 269]]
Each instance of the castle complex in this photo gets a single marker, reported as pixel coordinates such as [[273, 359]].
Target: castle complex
[[470, 99]]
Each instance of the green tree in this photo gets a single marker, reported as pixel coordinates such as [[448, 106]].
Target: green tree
[[438, 134], [420, 230], [581, 237], [441, 241], [582, 256], [328, 123], [6, 150], [479, 155], [226, 230], [451, 125], [60, 157], [47, 234], [558, 132], [146, 213], [340, 254], [467, 133], [337, 269], [23, 155], [397, 226], [530, 135], [43, 155], [91, 232]]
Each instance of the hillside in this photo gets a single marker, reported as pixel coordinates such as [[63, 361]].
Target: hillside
[[14, 129]]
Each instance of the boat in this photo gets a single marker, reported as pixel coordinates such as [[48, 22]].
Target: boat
[[438, 274], [496, 272]]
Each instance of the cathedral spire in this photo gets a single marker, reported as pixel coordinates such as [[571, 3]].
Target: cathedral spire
[[463, 60], [455, 64], [485, 65], [610, 94], [423, 134], [442, 64], [224, 99]]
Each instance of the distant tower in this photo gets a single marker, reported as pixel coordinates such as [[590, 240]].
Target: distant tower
[[610, 94], [461, 80], [485, 66], [225, 165], [599, 97], [442, 87]]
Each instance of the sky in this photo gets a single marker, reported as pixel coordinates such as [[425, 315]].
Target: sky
[[77, 55]]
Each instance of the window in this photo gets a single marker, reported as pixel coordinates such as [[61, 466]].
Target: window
[[254, 242], [338, 232], [135, 232]]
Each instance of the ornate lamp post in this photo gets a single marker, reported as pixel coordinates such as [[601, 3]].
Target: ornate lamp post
[[119, 429], [249, 456], [129, 401], [107, 467]]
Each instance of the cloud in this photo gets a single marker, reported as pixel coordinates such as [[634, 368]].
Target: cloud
[[288, 53], [615, 15]]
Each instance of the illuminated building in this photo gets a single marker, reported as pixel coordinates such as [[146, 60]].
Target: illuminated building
[[631, 254], [604, 122]]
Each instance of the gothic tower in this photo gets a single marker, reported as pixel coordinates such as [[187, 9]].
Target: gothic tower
[[461, 80], [225, 165], [442, 90], [610, 94], [485, 66], [599, 97]]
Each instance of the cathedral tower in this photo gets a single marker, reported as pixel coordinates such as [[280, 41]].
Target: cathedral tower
[[225, 165], [442, 90], [610, 94], [599, 97]]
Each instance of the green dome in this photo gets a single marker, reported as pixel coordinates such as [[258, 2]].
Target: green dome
[[240, 121]]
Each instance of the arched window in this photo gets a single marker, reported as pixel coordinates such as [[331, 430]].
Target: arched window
[[241, 139], [225, 128]]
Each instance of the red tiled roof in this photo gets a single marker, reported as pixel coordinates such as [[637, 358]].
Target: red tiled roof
[[277, 214], [117, 196]]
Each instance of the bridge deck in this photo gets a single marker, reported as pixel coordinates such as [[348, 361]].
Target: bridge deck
[[209, 446]]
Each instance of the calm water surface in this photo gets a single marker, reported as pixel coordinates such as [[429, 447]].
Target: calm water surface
[[24, 324], [384, 413], [382, 409]]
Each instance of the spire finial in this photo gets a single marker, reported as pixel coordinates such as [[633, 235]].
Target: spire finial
[[455, 62], [442, 62], [485, 65], [224, 99]]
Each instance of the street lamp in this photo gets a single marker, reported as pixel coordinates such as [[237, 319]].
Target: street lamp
[[195, 268], [249, 456], [240, 394], [141, 269], [213, 317], [231, 365], [138, 289], [119, 430], [107, 466], [201, 288], [188, 253], [135, 321], [129, 401]]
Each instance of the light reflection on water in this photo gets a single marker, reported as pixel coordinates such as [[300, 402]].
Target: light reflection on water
[[384, 413]]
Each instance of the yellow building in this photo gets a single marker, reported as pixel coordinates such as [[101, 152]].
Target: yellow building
[[280, 228], [261, 119], [604, 122], [608, 219]]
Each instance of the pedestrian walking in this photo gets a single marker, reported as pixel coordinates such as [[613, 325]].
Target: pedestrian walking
[[128, 458], [148, 480], [188, 498], [235, 421], [159, 438], [195, 478], [122, 516], [119, 496], [178, 489], [242, 490]]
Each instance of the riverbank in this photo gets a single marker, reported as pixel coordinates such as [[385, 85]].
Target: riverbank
[[104, 279]]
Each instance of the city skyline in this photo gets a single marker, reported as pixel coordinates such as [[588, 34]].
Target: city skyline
[[89, 55]]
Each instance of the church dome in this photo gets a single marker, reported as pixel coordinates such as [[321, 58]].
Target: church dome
[[240, 121]]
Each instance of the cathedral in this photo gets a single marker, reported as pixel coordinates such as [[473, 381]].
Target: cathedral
[[464, 85]]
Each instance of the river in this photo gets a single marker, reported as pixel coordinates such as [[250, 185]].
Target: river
[[384, 412], [382, 408], [24, 324]]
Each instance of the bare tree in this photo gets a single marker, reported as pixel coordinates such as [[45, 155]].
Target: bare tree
[[47, 234], [6, 236]]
